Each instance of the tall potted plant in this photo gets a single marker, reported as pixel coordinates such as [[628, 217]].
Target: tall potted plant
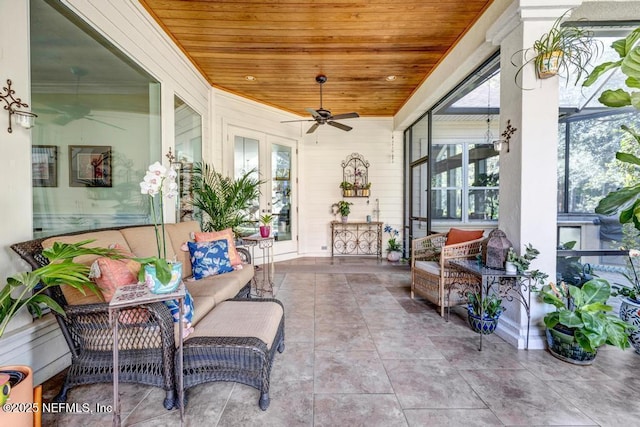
[[581, 322], [224, 202], [562, 49]]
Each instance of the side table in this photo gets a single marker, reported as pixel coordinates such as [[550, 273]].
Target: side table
[[266, 244], [133, 296], [506, 285]]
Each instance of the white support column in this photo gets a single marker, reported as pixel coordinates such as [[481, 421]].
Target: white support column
[[528, 172]]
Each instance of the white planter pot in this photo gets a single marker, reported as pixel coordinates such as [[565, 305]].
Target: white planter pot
[[510, 267], [394, 256]]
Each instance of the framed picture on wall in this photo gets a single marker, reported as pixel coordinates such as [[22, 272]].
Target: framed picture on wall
[[90, 166], [44, 165]]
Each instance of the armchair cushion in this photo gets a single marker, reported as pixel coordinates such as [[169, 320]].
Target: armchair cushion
[[429, 266], [456, 236]]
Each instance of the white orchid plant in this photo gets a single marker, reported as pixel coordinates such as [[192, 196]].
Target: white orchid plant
[[159, 181]]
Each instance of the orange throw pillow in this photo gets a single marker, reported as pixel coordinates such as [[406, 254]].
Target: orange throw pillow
[[234, 256], [456, 235]]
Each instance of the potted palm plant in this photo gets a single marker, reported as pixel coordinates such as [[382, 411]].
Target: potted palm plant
[[483, 313], [224, 202], [562, 49], [581, 322]]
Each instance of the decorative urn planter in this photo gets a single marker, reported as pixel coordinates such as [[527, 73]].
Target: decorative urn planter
[[485, 325], [394, 256], [563, 345], [630, 313], [156, 286], [265, 230]]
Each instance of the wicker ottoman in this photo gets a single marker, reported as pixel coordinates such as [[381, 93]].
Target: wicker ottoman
[[236, 342]]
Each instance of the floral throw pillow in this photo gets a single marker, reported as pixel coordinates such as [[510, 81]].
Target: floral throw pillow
[[209, 258], [187, 315]]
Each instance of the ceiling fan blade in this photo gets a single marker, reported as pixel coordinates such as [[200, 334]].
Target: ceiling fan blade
[[104, 123], [301, 120], [62, 119], [314, 113], [339, 126], [345, 116], [313, 128]]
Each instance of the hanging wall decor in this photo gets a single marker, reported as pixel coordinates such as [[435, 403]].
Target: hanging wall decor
[[355, 176]]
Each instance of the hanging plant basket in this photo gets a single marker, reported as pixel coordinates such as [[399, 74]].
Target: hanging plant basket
[[548, 64]]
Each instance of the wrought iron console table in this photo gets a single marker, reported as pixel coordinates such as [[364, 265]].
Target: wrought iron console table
[[356, 238], [507, 286]]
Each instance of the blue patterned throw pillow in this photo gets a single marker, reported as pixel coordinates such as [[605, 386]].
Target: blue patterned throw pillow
[[209, 258], [174, 307]]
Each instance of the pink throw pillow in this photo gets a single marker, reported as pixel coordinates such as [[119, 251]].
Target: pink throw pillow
[[234, 256]]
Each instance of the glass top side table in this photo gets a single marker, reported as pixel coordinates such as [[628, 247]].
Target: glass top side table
[[133, 296]]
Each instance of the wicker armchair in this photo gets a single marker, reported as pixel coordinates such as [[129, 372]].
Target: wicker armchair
[[431, 274]]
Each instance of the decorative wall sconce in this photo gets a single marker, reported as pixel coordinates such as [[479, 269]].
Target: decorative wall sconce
[[26, 119], [506, 137]]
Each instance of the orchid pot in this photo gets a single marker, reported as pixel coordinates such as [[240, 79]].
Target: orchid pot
[[156, 285]]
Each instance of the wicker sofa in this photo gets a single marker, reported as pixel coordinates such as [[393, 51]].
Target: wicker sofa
[[147, 345], [431, 275]]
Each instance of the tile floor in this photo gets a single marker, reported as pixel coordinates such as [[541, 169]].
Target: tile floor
[[360, 352]]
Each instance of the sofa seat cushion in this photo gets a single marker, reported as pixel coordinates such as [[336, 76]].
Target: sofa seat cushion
[[221, 287], [429, 266], [259, 319]]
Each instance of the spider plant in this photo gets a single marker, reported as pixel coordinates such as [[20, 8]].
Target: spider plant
[[563, 50]]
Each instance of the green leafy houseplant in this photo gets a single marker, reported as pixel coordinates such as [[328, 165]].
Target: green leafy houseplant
[[224, 202], [626, 200], [266, 219], [20, 290], [344, 208], [567, 47], [585, 312], [490, 305], [522, 263]]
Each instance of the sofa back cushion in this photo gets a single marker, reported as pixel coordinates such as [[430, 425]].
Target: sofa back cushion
[[102, 239], [180, 234], [142, 241]]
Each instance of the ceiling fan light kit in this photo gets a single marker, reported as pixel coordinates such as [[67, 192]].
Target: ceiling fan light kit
[[322, 116]]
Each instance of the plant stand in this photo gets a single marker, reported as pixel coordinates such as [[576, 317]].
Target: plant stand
[[510, 286]]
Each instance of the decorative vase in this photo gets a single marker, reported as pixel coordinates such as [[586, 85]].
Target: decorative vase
[[156, 286], [630, 313], [485, 325], [265, 231], [394, 256], [20, 395], [345, 218], [563, 345], [510, 268], [549, 64]]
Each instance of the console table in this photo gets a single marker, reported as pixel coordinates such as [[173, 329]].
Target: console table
[[508, 286], [356, 238]]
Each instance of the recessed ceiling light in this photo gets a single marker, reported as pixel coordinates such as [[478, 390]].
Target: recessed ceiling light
[[390, 78], [250, 78]]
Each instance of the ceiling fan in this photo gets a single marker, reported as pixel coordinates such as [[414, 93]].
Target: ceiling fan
[[322, 116], [67, 113]]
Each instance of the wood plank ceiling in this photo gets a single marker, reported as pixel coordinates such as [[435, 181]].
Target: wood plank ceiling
[[284, 44]]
